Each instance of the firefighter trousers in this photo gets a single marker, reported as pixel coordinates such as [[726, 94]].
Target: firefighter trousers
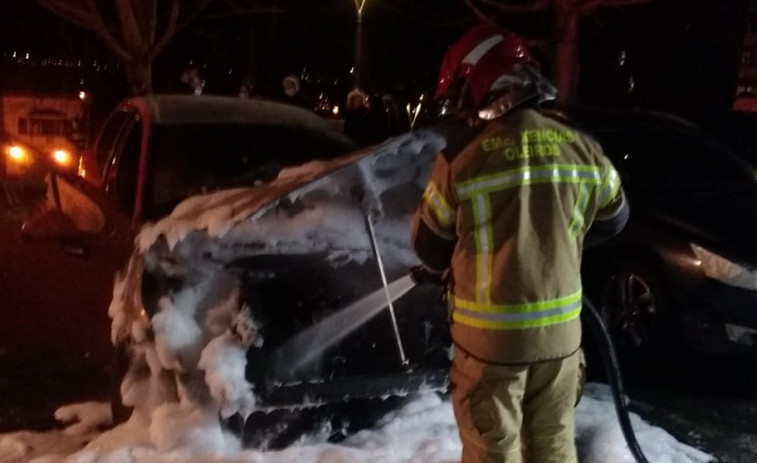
[[499, 407]]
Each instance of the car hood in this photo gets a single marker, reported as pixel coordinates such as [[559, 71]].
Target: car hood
[[369, 173], [723, 221]]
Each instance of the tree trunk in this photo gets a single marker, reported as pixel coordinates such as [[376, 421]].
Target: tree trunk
[[566, 60], [139, 75]]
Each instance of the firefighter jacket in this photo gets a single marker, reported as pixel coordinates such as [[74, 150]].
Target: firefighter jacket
[[507, 213]]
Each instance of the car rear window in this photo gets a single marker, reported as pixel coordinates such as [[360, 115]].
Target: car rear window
[[189, 159]]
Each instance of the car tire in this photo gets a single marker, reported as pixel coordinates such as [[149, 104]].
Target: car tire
[[635, 307], [119, 366]]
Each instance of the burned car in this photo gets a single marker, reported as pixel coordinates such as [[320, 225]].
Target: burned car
[[292, 294]]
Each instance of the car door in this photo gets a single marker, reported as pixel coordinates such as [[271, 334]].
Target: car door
[[56, 286]]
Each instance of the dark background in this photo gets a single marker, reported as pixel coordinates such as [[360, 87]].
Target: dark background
[[679, 56]]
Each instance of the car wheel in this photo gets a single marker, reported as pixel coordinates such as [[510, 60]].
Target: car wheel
[[119, 366], [634, 308]]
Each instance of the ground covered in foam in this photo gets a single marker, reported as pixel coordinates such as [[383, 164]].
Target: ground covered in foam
[[422, 431]]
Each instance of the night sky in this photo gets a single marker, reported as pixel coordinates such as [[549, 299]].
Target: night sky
[[678, 55]]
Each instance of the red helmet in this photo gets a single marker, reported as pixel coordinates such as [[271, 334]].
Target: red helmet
[[481, 58]]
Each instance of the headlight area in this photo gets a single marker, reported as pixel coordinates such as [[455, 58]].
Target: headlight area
[[726, 271]]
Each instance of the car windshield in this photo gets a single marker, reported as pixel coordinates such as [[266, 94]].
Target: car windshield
[[189, 159]]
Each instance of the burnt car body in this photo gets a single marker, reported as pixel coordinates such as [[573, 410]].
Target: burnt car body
[[683, 272], [313, 258]]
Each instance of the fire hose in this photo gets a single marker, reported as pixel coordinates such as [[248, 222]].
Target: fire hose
[[612, 369]]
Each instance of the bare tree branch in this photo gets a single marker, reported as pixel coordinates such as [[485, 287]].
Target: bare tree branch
[[152, 27], [590, 6], [133, 37], [170, 28], [532, 7], [99, 27], [586, 7], [477, 11], [193, 15], [130, 30], [74, 12], [626, 2]]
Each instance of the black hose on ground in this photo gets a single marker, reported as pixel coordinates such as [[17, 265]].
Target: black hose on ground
[[612, 369]]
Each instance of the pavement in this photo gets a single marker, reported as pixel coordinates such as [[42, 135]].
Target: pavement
[[706, 401], [32, 388]]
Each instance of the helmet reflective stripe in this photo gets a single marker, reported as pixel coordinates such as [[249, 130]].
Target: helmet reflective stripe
[[580, 210], [480, 50], [517, 316], [550, 173]]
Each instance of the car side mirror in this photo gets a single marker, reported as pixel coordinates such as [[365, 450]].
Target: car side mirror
[[67, 213], [47, 225]]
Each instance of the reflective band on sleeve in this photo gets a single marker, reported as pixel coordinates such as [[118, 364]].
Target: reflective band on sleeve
[[579, 211], [551, 173], [444, 213], [518, 316], [610, 189], [484, 238]]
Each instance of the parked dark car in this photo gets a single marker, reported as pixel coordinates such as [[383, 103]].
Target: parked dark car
[[685, 267]]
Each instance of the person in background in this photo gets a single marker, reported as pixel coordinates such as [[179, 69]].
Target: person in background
[[356, 121], [293, 94]]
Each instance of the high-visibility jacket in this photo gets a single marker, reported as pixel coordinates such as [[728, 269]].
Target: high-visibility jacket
[[512, 208]]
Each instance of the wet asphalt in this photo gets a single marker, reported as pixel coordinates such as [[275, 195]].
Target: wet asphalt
[[706, 401], [32, 388]]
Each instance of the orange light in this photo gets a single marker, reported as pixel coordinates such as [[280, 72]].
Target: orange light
[[82, 95], [61, 156], [80, 168], [335, 110], [17, 153]]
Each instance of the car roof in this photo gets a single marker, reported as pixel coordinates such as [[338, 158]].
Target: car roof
[[596, 118], [190, 109]]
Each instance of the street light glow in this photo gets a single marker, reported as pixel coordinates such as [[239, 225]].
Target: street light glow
[[359, 4], [16, 152], [61, 156], [82, 95]]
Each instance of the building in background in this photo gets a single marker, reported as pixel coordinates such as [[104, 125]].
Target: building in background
[[38, 125], [746, 88]]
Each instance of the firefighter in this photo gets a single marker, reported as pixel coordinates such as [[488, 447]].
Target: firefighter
[[506, 214]]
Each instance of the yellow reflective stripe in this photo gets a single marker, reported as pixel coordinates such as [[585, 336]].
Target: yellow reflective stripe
[[579, 211], [476, 322], [516, 308], [610, 188], [516, 316], [437, 203], [551, 173], [524, 144], [484, 240]]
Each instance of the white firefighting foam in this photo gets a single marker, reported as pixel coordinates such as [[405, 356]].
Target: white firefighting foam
[[422, 431]]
